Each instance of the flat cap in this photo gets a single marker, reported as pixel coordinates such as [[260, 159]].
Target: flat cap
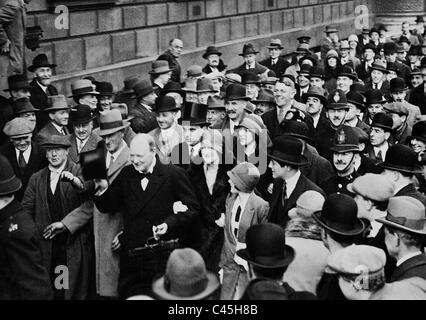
[[56, 141], [308, 202], [396, 107], [372, 186], [18, 127]]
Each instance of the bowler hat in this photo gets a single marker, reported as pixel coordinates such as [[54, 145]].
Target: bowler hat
[[374, 96], [369, 46], [211, 50], [266, 247], [56, 141], [265, 96], [379, 66], [194, 114], [345, 140], [172, 86], [111, 121], [9, 183], [419, 131], [339, 215], [93, 164], [389, 48], [82, 87], [401, 158], [250, 77], [397, 85], [275, 43], [40, 61], [288, 150], [215, 102], [374, 30], [356, 99], [248, 48], [403, 39], [358, 87], [160, 67], [205, 85], [186, 277], [56, 103], [295, 128], [81, 114], [104, 88], [143, 88], [407, 214], [23, 105], [16, 82], [304, 39], [236, 91], [129, 83], [305, 69], [382, 120], [337, 100], [165, 103], [330, 29], [317, 72], [316, 92], [346, 71], [18, 127]]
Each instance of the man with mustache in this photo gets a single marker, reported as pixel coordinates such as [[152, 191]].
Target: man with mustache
[[214, 63], [41, 87]]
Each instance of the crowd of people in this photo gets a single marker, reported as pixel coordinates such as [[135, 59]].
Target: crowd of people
[[287, 178]]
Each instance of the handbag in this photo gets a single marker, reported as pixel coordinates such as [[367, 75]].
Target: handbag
[[154, 247]]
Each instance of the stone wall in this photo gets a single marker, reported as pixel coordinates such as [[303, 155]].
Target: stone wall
[[114, 43]]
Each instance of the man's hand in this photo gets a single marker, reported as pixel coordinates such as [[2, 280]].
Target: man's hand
[[5, 49], [178, 206], [116, 245], [159, 230], [67, 176], [100, 186], [53, 229]]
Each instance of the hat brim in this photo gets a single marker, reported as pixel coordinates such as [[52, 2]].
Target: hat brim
[[401, 227], [81, 121], [246, 53], [289, 255], [232, 98], [32, 68], [382, 127], [55, 109], [357, 229], [306, 95], [95, 93], [331, 31], [379, 69], [302, 160], [212, 285], [388, 166], [299, 136], [275, 47], [54, 145], [206, 54], [337, 106], [349, 75], [194, 122], [164, 71], [343, 148], [416, 137], [10, 186], [113, 130]]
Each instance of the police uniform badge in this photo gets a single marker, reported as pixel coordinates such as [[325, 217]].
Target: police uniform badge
[[13, 227], [336, 97], [341, 137]]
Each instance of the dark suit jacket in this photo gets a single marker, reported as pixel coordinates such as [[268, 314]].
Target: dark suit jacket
[[258, 69], [36, 162], [144, 209], [39, 100], [413, 267], [144, 120], [173, 64], [418, 98], [279, 214], [385, 89], [278, 68], [411, 191], [90, 145], [220, 67], [363, 74], [6, 114], [369, 151], [318, 169]]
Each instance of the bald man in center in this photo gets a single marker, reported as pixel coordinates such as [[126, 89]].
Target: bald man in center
[[156, 200]]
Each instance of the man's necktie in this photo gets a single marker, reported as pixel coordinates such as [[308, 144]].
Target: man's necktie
[[63, 132], [21, 161], [111, 161], [284, 193], [379, 155], [237, 219], [375, 86], [281, 115]]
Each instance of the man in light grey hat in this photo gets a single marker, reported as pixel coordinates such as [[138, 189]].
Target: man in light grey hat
[[83, 92]]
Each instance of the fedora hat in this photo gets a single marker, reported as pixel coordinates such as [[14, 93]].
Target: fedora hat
[[195, 114], [275, 43], [250, 77], [345, 140], [81, 114], [111, 121], [165, 103], [205, 85], [186, 277], [9, 183], [331, 29], [23, 105], [18, 127], [295, 128], [93, 164], [356, 99], [265, 96], [194, 71], [56, 141], [401, 158], [56, 103], [389, 48], [160, 67], [17, 81], [382, 120], [211, 50], [122, 107], [104, 88], [248, 48], [305, 69], [236, 91], [379, 66], [419, 131], [40, 61], [143, 88], [215, 102], [82, 87], [172, 86], [339, 215], [129, 83], [347, 71], [288, 150], [374, 96], [316, 92], [266, 247], [407, 214]]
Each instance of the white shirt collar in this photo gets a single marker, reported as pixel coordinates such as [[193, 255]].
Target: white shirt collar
[[147, 107], [27, 154], [195, 149], [168, 133], [291, 183], [43, 87], [384, 148], [151, 167], [59, 128], [316, 119], [57, 170], [408, 256]]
